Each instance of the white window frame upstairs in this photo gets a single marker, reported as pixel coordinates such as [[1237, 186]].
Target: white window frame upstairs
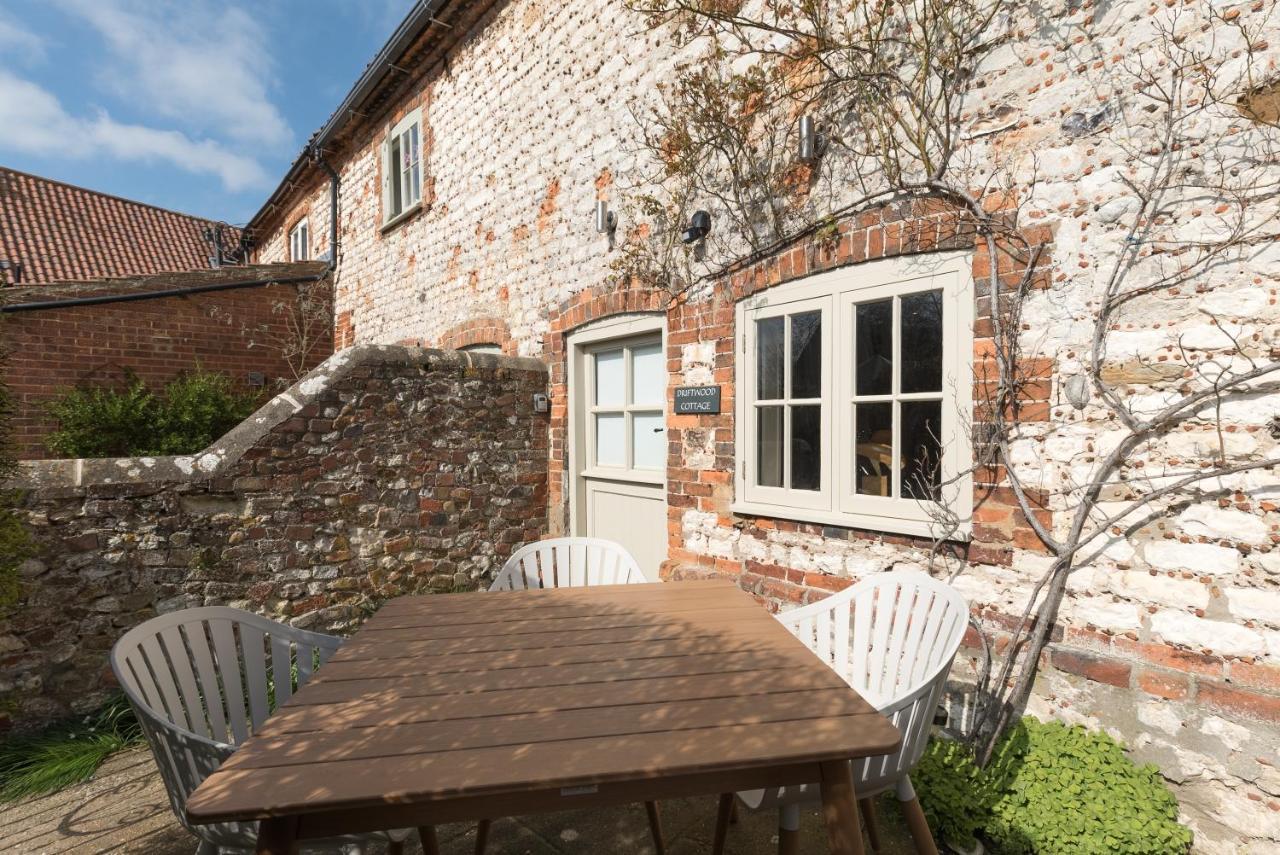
[[402, 178], [300, 241], [836, 294]]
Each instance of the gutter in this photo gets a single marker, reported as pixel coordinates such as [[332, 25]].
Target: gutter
[[104, 299], [419, 17]]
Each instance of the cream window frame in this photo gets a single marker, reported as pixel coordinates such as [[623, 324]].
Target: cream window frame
[[839, 291], [300, 241], [628, 409], [394, 174]]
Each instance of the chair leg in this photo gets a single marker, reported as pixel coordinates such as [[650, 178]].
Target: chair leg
[[655, 827], [482, 835], [916, 823], [789, 830], [871, 821], [427, 835], [724, 815]]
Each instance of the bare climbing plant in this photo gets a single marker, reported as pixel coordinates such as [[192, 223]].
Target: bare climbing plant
[[893, 88]]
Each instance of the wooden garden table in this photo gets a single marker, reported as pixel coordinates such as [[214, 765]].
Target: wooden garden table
[[458, 707]]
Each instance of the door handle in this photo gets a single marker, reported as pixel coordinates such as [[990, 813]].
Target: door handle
[[658, 430]]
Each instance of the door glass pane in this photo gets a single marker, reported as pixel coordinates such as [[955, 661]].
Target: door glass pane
[[611, 379], [921, 449], [873, 449], [806, 448], [806, 355], [922, 342], [648, 375], [769, 358], [769, 446], [649, 440], [611, 441], [873, 361]]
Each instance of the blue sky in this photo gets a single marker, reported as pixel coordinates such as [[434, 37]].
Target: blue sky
[[195, 105]]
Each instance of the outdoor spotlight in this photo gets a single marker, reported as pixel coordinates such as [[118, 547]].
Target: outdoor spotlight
[[699, 225], [1076, 389], [808, 140], [606, 220]]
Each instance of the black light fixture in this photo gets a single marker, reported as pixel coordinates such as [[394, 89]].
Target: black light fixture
[[699, 225]]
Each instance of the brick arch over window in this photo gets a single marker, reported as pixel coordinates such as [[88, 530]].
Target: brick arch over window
[[478, 331], [591, 304]]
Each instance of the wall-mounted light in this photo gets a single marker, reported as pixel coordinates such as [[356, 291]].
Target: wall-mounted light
[[1076, 388], [606, 220], [808, 140], [699, 225]]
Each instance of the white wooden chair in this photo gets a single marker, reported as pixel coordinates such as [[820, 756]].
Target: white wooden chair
[[892, 637], [571, 562], [568, 562], [201, 681]]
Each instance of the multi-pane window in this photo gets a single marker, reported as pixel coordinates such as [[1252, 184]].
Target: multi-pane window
[[626, 419], [854, 385], [300, 242], [402, 167]]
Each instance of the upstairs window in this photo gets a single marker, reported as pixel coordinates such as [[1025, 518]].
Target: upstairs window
[[402, 168], [300, 241], [855, 386]]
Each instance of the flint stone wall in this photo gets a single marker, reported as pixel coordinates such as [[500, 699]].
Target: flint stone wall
[[388, 470]]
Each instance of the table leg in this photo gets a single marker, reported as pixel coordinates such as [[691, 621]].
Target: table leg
[[278, 836], [723, 812], [840, 808], [430, 843]]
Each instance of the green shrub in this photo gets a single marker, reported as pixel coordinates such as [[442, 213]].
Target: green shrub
[[1068, 789], [1050, 788], [192, 411], [66, 752], [952, 793]]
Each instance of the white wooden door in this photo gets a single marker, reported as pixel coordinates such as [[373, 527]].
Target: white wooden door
[[619, 399]]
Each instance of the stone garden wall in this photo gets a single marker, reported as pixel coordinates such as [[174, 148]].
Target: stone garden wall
[[385, 471]]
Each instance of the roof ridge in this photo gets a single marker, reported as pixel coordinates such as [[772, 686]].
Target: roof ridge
[[117, 198]]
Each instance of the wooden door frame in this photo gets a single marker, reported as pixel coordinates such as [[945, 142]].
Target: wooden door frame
[[622, 326]]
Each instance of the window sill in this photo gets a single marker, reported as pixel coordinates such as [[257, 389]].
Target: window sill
[[867, 522], [401, 218]]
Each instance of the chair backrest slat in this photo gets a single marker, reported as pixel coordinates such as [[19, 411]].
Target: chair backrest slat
[[154, 659], [567, 562], [225, 649], [282, 667], [175, 648], [253, 659]]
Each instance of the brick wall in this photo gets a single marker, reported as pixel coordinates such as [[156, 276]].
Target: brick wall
[[388, 470], [234, 332], [1170, 638]]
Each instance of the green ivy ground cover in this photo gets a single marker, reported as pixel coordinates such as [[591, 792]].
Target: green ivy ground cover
[[1050, 788]]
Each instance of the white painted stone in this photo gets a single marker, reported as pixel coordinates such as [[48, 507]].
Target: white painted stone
[[1227, 639], [1254, 604], [1165, 590], [1105, 614], [1232, 735], [1200, 557], [1224, 523], [1160, 716]]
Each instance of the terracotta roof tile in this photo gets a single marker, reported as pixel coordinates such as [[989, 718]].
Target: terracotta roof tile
[[59, 232]]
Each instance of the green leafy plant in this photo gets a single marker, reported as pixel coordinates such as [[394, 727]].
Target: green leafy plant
[[1049, 788], [192, 411], [65, 753], [952, 791], [1069, 789]]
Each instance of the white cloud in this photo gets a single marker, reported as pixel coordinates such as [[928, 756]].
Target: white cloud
[[207, 65], [32, 120], [17, 40]]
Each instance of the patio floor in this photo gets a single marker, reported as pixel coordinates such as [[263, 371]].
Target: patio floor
[[124, 809]]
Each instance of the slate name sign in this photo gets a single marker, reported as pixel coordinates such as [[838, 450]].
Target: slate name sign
[[698, 400]]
